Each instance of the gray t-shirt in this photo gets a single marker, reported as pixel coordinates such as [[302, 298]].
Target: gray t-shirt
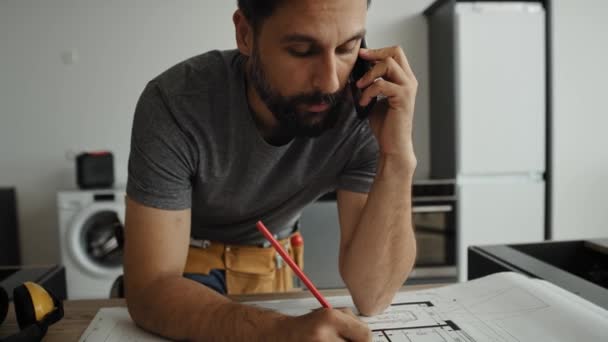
[[195, 145]]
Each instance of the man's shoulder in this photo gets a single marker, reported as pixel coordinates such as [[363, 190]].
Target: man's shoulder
[[197, 74]]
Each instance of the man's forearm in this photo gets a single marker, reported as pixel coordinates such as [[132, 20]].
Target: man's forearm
[[181, 309], [385, 234]]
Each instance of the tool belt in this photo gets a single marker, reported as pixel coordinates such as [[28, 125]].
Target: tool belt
[[249, 269]]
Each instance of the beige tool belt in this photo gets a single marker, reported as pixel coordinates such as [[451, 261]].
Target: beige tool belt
[[249, 269]]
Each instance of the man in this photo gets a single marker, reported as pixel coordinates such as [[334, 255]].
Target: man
[[227, 138]]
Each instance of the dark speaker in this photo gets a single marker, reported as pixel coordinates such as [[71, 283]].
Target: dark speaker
[[95, 170], [9, 229]]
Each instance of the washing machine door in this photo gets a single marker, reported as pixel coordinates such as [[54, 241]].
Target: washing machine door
[[91, 238]]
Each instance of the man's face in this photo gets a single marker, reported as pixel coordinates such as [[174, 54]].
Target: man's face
[[301, 60]]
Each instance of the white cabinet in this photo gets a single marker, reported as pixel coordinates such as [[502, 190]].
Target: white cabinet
[[503, 210]]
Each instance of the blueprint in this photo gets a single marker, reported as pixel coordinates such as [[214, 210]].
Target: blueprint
[[504, 307]]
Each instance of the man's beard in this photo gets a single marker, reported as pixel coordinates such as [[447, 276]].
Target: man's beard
[[294, 122]]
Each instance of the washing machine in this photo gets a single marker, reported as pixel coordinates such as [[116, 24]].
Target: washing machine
[[90, 252]]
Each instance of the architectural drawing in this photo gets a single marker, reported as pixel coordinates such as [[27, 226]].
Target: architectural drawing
[[504, 307], [414, 321]]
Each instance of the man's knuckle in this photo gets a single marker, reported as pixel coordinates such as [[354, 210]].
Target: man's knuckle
[[328, 315], [317, 335]]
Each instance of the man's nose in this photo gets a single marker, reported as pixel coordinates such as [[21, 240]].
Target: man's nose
[[326, 78]]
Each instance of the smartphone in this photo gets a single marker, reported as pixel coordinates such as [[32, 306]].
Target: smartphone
[[361, 67]]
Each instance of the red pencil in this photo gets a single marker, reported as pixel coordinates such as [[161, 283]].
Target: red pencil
[[293, 265]]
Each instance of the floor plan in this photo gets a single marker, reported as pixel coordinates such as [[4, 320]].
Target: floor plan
[[504, 307], [414, 321]]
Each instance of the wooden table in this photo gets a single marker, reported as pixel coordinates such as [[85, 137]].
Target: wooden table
[[79, 313]]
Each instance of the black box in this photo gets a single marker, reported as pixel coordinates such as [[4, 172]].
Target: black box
[[580, 267], [9, 228], [51, 277], [95, 170]]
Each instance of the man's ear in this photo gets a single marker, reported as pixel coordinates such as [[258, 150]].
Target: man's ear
[[244, 33]]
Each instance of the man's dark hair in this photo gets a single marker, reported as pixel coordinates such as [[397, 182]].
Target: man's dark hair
[[257, 10]]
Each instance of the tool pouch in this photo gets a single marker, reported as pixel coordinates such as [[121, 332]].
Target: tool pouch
[[249, 269]]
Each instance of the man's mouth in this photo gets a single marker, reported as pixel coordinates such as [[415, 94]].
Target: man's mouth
[[318, 107]]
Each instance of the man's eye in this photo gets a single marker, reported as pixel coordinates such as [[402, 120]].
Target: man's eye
[[346, 49], [300, 52]]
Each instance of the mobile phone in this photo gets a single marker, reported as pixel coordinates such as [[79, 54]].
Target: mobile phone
[[361, 67]]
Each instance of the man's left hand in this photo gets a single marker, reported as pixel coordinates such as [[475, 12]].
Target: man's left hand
[[392, 117]]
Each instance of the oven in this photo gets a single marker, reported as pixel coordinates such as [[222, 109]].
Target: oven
[[434, 220]]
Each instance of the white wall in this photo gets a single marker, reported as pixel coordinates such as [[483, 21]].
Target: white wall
[[51, 108], [580, 119]]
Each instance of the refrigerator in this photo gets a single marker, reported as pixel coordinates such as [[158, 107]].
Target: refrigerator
[[488, 118]]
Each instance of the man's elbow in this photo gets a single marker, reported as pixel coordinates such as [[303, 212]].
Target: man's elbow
[[370, 302], [137, 313], [142, 295], [371, 308], [136, 302], [367, 300]]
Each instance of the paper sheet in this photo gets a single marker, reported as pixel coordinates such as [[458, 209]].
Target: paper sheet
[[505, 307], [115, 325]]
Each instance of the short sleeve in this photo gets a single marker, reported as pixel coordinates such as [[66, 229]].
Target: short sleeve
[[359, 173], [162, 158]]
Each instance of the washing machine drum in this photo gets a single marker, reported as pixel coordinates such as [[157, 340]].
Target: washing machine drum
[[100, 234], [92, 241]]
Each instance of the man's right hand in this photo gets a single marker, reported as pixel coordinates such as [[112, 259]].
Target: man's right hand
[[325, 325]]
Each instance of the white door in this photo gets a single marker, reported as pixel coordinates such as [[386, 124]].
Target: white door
[[500, 87], [498, 210]]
